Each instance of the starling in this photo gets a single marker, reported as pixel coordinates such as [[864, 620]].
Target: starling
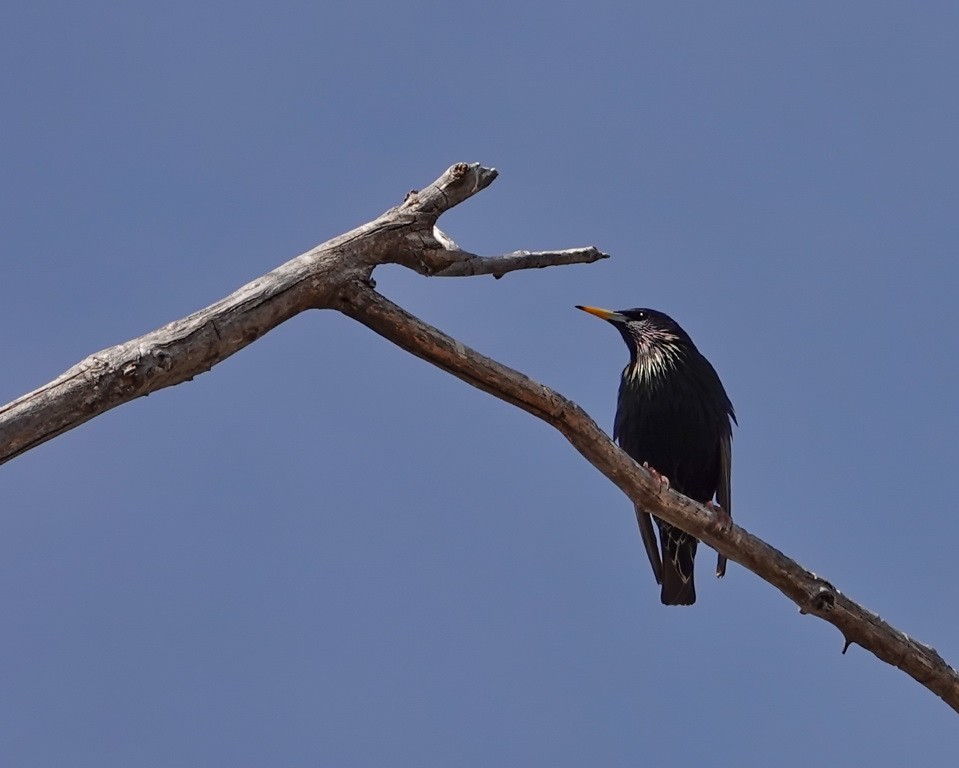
[[673, 417]]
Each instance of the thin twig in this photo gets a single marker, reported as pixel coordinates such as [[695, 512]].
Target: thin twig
[[470, 264]]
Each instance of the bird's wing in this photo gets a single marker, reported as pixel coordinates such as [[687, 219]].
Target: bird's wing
[[649, 541], [724, 494]]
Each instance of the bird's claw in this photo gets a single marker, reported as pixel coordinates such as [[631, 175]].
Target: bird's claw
[[661, 479], [724, 518]]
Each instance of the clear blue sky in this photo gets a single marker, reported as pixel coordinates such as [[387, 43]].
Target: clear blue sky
[[326, 552]]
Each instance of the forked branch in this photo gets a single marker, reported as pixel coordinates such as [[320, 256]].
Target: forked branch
[[337, 275], [185, 348]]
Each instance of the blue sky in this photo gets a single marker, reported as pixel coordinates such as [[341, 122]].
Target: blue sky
[[326, 552]]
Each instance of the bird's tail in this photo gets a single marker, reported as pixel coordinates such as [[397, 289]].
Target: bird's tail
[[679, 554]]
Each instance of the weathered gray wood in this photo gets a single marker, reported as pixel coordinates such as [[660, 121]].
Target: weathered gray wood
[[338, 275], [185, 348], [813, 595]]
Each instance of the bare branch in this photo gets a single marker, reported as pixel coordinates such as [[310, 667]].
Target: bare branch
[[471, 264], [811, 593], [337, 274], [460, 182], [188, 347], [170, 355]]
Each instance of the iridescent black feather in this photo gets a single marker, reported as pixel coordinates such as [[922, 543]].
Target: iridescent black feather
[[674, 415]]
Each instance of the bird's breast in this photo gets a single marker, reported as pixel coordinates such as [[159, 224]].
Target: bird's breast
[[664, 421]]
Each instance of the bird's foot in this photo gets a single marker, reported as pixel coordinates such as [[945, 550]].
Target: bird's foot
[[725, 519], [661, 479]]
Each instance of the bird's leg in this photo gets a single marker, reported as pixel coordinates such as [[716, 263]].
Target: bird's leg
[[725, 519], [661, 479]]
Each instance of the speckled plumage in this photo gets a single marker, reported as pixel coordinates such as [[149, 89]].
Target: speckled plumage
[[674, 415]]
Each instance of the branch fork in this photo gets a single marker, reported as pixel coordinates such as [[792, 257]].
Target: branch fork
[[338, 275]]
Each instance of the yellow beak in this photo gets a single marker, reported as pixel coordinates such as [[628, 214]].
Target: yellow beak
[[604, 314]]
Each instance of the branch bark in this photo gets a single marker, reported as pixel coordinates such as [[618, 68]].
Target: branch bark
[[338, 275], [813, 595], [185, 348]]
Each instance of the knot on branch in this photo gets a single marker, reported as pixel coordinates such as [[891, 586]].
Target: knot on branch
[[824, 599], [821, 599]]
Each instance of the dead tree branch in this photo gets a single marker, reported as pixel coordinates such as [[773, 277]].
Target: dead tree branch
[[338, 275], [812, 594], [183, 349]]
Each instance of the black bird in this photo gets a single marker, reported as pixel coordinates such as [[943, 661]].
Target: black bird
[[673, 417]]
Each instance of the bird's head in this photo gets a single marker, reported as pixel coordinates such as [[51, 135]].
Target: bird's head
[[656, 342]]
